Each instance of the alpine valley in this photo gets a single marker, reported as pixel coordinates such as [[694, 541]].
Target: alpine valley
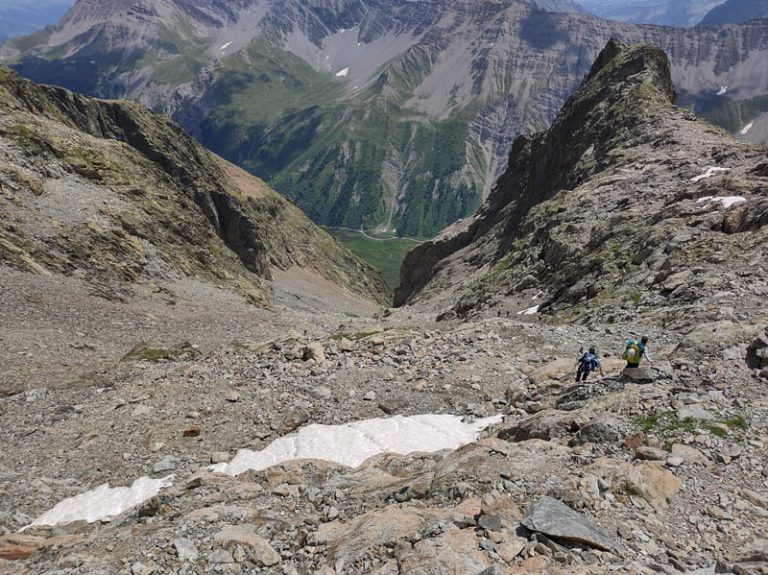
[[395, 114], [194, 379]]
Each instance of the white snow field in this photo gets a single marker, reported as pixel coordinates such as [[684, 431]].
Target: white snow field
[[342, 73], [349, 444], [723, 91], [725, 201], [745, 130], [353, 443], [709, 171], [104, 502], [529, 311]]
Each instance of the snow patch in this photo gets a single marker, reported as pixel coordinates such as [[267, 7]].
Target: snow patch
[[529, 311], [342, 73], [723, 91], [725, 201], [353, 443], [745, 130], [225, 46], [104, 502], [709, 171]]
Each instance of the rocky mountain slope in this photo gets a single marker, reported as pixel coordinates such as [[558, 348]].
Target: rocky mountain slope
[[733, 11], [661, 469], [368, 113], [108, 198], [628, 206]]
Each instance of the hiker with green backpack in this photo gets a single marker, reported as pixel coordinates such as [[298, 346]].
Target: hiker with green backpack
[[635, 350]]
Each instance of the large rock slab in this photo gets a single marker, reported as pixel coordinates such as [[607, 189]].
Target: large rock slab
[[545, 425], [647, 373], [555, 519], [649, 480], [455, 551]]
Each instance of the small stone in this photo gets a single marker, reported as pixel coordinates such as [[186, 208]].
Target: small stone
[[690, 454], [755, 498], [370, 396], [193, 431], [555, 519], [220, 556], [694, 412], [675, 461], [141, 411], [321, 392], [219, 457], [232, 396], [185, 549], [346, 345], [315, 352], [168, 463], [508, 550], [650, 453], [256, 547]]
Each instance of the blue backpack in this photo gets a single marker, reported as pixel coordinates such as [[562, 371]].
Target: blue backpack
[[588, 362]]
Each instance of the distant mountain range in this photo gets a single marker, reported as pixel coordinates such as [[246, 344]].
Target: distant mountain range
[[20, 17], [386, 113], [683, 13], [733, 11]]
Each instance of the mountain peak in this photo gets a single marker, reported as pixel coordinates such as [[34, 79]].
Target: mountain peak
[[587, 211]]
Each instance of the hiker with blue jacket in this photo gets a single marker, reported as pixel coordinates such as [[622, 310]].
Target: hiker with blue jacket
[[588, 363], [635, 350]]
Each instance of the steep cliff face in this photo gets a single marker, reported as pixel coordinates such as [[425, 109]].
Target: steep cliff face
[[626, 205], [371, 113], [109, 190]]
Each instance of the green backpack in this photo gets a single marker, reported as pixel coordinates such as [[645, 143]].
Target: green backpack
[[632, 352]]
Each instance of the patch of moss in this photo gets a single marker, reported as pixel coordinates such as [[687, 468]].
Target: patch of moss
[[354, 336], [143, 352], [738, 422], [667, 423]]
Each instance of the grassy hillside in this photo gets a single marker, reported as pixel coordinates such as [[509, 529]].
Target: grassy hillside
[[383, 251], [293, 126]]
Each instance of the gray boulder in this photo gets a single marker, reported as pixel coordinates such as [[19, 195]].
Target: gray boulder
[[757, 352], [555, 519]]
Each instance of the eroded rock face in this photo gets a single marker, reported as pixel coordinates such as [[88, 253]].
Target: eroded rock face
[[168, 206]]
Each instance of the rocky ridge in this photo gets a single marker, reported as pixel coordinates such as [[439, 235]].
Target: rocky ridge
[[105, 206], [627, 207], [163, 195]]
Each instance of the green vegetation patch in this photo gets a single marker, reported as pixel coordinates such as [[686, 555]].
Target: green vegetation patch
[[666, 423], [143, 352], [384, 252], [287, 123]]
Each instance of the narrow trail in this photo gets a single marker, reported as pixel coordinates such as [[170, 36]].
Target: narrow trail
[[361, 232]]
